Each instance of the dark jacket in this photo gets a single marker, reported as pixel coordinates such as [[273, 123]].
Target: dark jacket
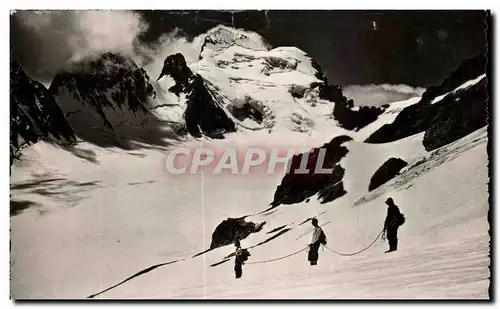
[[238, 256], [393, 214]]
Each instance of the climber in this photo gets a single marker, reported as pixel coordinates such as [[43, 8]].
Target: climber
[[241, 255], [319, 238], [392, 222]]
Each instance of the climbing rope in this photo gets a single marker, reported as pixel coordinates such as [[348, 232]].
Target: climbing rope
[[357, 252], [277, 259], [336, 252], [142, 272]]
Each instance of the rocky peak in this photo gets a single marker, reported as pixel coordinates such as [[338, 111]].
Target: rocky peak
[[223, 37], [34, 113], [204, 115], [109, 80], [176, 67], [469, 69]]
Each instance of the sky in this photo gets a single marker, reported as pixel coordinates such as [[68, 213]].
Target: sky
[[415, 48]]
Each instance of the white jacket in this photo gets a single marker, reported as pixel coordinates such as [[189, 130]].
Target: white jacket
[[316, 234]]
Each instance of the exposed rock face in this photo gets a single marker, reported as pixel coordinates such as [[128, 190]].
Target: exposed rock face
[[468, 69], [231, 229], [351, 119], [277, 65], [109, 81], [107, 101], [297, 91], [176, 66], [296, 187], [204, 115], [343, 111], [34, 114], [386, 172], [222, 38], [447, 119], [246, 108], [462, 114]]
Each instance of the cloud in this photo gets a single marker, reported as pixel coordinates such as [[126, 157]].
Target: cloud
[[377, 95], [44, 41], [151, 56]]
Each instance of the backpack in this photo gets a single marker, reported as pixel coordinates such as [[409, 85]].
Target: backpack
[[398, 220], [322, 238], [401, 220], [244, 255]]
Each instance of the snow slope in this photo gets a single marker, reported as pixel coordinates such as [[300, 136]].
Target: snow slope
[[138, 216], [83, 225], [463, 86]]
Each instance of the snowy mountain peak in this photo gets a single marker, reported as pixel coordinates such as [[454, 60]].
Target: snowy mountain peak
[[275, 89], [221, 37], [110, 80]]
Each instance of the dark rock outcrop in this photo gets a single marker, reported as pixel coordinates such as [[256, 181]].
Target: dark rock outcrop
[[108, 81], [297, 187], [204, 115], [468, 114], [459, 113], [468, 69], [319, 72], [276, 64], [176, 67], [246, 111], [351, 119], [332, 93], [107, 99], [34, 114], [297, 91], [332, 192], [246, 108], [386, 172], [343, 110], [411, 120], [231, 229]]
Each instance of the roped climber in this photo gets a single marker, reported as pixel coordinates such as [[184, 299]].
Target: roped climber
[[319, 238], [393, 221], [241, 255]]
